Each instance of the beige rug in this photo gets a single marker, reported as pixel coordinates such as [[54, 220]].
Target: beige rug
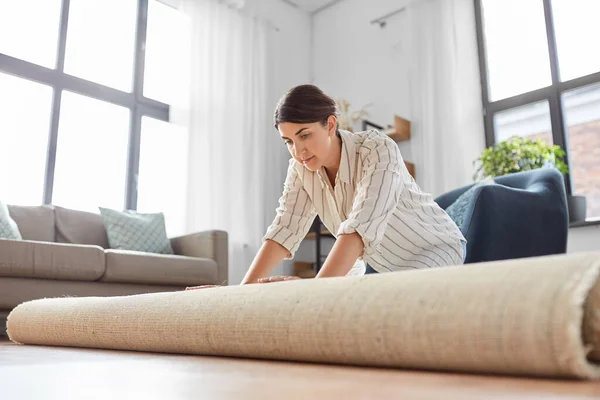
[[519, 317]]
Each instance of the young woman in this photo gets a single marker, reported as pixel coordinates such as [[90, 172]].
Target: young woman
[[359, 186]]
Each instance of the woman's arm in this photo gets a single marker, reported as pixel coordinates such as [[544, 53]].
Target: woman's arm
[[270, 254], [292, 221], [343, 255]]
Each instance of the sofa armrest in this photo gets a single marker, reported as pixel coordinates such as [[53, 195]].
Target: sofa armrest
[[509, 223], [211, 244], [446, 199]]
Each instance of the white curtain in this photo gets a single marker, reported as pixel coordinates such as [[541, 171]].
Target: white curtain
[[445, 92], [229, 126]]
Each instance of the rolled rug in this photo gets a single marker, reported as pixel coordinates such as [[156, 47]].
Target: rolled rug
[[536, 317]]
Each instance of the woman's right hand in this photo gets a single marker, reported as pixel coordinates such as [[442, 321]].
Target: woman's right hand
[[200, 287]]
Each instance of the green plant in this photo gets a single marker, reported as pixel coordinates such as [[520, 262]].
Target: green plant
[[518, 154]]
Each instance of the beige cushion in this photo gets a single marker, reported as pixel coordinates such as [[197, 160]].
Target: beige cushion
[[35, 222], [14, 291], [29, 259], [81, 227], [137, 267]]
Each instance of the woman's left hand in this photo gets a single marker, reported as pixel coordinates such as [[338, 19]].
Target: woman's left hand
[[272, 279]]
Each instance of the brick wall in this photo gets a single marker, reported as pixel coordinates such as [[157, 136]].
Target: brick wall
[[584, 146], [584, 153]]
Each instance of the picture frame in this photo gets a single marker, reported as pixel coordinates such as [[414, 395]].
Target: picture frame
[[366, 125]]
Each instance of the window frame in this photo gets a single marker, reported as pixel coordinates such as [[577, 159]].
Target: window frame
[[552, 94], [59, 81]]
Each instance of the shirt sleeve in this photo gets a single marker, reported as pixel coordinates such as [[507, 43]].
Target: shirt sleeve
[[377, 192], [294, 215]]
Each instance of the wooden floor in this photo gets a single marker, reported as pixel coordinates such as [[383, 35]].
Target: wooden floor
[[31, 372]]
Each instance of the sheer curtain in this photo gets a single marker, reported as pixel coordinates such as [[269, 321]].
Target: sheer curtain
[[230, 136], [445, 93]]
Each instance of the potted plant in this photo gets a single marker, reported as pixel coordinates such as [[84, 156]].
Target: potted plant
[[518, 154]]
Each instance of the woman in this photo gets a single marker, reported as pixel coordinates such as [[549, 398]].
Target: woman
[[359, 186]]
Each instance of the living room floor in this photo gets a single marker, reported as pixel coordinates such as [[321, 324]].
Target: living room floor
[[66, 373]]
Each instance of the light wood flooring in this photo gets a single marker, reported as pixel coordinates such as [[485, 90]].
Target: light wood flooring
[[33, 372]]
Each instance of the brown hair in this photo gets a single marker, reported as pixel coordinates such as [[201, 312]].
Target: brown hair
[[305, 104]]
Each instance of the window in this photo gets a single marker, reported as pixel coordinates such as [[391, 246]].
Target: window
[[167, 65], [73, 100], [541, 79], [515, 45], [27, 35], [531, 121], [24, 121], [91, 154], [581, 108], [97, 52]]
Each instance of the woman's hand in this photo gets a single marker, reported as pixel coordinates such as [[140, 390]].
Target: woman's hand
[[200, 287], [272, 279], [269, 279]]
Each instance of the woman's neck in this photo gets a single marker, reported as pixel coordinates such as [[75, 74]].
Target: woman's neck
[[332, 165]]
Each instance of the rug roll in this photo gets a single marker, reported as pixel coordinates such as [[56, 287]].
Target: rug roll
[[536, 317]]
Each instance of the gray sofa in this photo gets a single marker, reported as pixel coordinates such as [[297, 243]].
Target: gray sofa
[[65, 252]]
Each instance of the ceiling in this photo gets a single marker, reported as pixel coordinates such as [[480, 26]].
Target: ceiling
[[312, 6]]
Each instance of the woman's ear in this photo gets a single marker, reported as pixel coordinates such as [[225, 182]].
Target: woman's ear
[[331, 125]]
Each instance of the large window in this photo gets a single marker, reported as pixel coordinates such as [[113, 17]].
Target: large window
[[541, 79], [80, 83]]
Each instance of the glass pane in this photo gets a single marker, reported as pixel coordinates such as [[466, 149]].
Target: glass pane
[[577, 32], [24, 125], [29, 30], [101, 41], [167, 54], [516, 47], [531, 121], [91, 155], [582, 117], [163, 172]]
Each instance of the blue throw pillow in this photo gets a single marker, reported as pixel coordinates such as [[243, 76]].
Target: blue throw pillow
[[8, 226], [130, 230], [458, 210]]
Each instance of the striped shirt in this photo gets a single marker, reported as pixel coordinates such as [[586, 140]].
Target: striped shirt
[[374, 195]]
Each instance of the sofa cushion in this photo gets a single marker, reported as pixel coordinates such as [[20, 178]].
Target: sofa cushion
[[35, 222], [80, 227], [14, 291], [137, 267], [8, 226], [130, 230], [457, 211], [30, 259]]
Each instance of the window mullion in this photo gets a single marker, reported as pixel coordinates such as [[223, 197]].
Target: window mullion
[[550, 36], [133, 163], [483, 74], [555, 101], [56, 100]]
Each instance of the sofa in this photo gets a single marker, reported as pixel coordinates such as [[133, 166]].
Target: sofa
[[520, 215], [65, 252]]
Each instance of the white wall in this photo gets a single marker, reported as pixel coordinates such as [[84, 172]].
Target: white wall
[[361, 62], [584, 238]]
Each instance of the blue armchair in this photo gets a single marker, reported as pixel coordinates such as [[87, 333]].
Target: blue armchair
[[521, 215]]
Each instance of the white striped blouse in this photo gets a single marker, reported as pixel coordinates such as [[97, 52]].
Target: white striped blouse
[[374, 195]]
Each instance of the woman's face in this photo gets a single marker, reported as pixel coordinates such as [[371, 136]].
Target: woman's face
[[310, 144]]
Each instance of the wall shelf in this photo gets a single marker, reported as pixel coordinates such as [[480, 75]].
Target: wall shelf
[[400, 132]]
